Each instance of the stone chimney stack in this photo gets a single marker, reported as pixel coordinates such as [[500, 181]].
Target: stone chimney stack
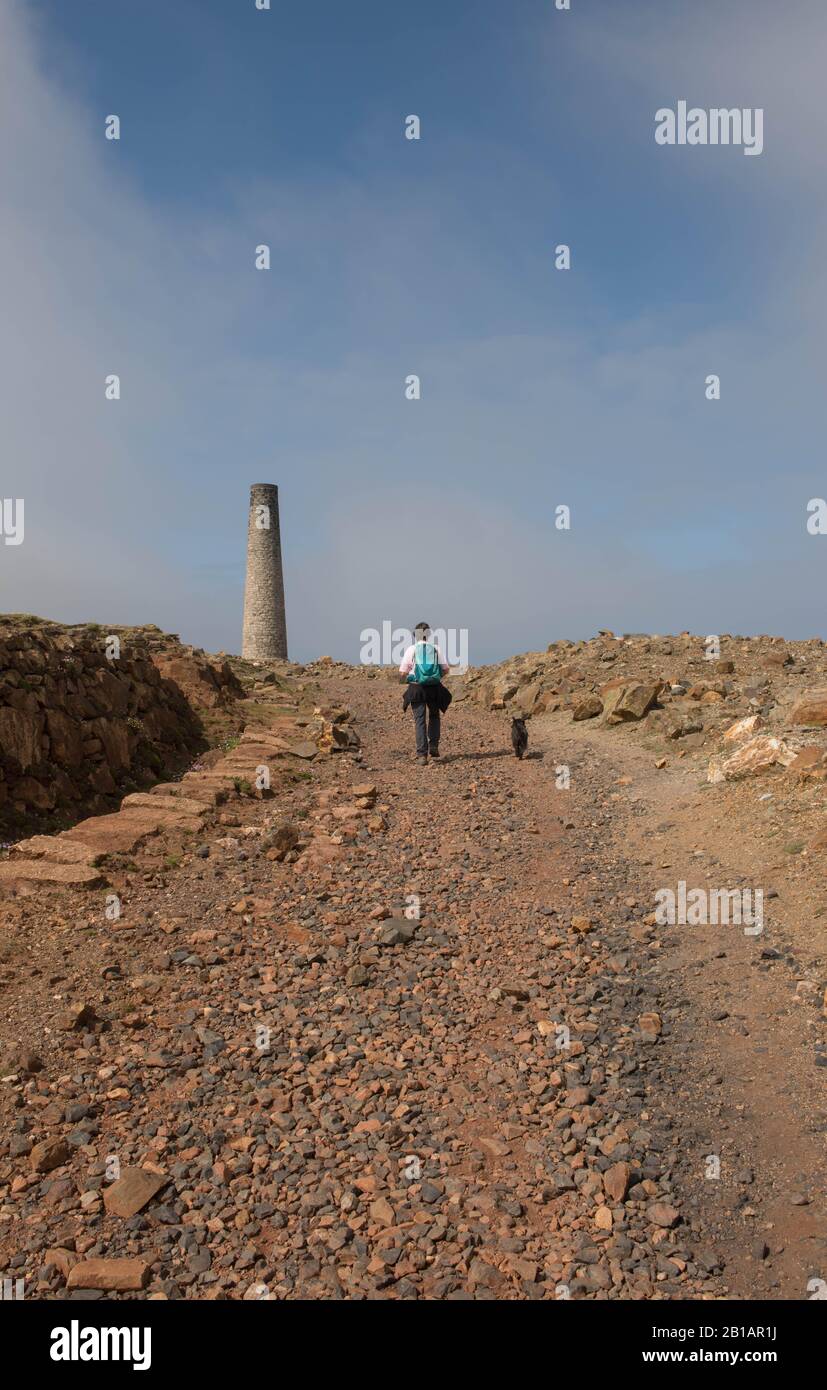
[[265, 627]]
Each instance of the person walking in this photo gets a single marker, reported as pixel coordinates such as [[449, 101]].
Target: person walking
[[422, 668]]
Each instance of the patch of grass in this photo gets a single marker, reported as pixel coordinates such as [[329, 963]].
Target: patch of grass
[[171, 861], [794, 847]]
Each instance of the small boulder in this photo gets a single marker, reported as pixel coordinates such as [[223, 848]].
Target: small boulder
[[661, 1214], [589, 707], [633, 702], [616, 1181], [650, 1026], [49, 1154], [744, 728], [810, 764], [756, 755], [810, 708], [133, 1189], [75, 1017], [20, 1059], [116, 1276], [398, 932]]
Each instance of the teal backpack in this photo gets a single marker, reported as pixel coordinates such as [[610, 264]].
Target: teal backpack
[[426, 669]]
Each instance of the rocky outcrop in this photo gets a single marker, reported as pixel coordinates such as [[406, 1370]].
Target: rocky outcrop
[[684, 690], [204, 683]]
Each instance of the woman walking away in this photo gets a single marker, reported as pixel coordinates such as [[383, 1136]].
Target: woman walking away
[[423, 667]]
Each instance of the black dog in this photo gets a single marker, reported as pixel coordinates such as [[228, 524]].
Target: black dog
[[519, 736]]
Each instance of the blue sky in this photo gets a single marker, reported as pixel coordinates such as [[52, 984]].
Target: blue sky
[[390, 257], [219, 97]]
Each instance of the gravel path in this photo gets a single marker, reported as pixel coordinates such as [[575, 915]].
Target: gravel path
[[493, 1099]]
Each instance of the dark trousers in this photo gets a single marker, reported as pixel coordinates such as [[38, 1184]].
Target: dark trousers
[[427, 727]]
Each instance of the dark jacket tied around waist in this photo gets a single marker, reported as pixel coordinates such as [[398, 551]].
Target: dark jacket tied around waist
[[436, 696]]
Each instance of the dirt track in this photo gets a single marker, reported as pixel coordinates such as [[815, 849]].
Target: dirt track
[[422, 1124]]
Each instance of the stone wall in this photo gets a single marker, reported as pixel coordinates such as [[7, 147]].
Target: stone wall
[[78, 730]]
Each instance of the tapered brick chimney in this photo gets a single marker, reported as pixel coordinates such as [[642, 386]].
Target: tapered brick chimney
[[264, 636]]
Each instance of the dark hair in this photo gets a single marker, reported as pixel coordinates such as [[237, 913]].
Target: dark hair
[[422, 627]]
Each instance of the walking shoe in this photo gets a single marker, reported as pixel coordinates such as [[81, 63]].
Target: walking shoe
[[434, 752], [422, 759]]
